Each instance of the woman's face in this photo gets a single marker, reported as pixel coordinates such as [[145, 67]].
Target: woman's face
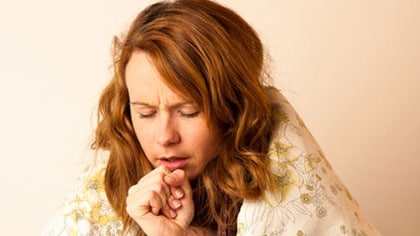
[[171, 130]]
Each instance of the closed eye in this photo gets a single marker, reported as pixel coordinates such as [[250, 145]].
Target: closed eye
[[189, 114], [147, 115]]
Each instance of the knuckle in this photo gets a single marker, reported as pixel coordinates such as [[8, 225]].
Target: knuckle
[[152, 195], [131, 189], [160, 189]]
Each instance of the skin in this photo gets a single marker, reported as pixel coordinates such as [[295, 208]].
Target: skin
[[178, 142]]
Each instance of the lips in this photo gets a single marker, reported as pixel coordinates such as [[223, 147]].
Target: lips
[[173, 163]]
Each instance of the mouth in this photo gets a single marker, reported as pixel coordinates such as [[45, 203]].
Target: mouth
[[173, 163]]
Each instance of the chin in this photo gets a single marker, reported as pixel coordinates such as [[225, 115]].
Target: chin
[[191, 176]]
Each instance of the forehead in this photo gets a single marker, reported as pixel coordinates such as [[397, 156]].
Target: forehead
[[140, 67], [144, 82]]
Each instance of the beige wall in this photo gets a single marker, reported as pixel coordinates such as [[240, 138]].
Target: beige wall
[[351, 68]]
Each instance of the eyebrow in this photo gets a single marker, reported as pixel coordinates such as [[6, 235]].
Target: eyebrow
[[140, 103], [176, 105]]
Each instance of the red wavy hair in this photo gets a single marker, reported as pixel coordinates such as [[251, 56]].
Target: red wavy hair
[[209, 54]]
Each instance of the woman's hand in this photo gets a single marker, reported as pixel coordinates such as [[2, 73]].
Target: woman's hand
[[161, 202]]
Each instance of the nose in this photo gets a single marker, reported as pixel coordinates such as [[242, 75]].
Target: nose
[[168, 132]]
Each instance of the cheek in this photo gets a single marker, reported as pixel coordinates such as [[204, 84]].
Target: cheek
[[137, 131], [144, 137], [208, 142], [211, 145], [206, 148], [142, 129]]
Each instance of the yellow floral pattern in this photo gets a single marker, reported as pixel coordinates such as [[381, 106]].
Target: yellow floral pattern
[[86, 211], [309, 198]]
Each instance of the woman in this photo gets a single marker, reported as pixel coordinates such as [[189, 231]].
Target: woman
[[191, 140]]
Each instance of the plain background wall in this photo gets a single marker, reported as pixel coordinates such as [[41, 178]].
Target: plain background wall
[[351, 68]]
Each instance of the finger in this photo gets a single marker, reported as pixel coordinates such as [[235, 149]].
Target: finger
[[179, 183], [175, 178], [153, 178], [156, 203], [177, 192], [151, 193], [168, 212], [174, 203], [138, 207], [161, 170], [164, 169], [185, 212], [172, 206], [162, 192], [158, 186]]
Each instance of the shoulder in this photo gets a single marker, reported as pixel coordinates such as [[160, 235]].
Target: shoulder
[[86, 210], [309, 198]]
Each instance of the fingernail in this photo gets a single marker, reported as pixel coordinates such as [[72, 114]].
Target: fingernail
[[178, 193], [172, 213], [176, 203]]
